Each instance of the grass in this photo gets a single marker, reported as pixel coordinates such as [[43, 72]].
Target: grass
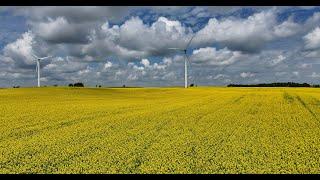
[[160, 130]]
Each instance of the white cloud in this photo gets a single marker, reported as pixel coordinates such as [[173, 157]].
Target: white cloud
[[157, 37], [315, 75], [312, 39], [68, 65], [169, 76], [20, 51], [305, 66], [108, 65], [145, 62], [59, 30], [280, 73], [287, 28], [125, 41], [77, 14], [249, 34], [212, 56], [296, 73], [220, 76], [278, 59], [85, 71], [247, 74]]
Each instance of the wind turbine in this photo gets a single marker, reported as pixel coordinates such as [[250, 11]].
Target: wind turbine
[[38, 59], [185, 61]]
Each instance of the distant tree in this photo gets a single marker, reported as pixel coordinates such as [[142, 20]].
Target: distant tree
[[55, 85], [99, 86], [96, 85], [288, 84], [16, 86], [124, 86], [191, 85], [70, 85], [78, 84], [306, 85]]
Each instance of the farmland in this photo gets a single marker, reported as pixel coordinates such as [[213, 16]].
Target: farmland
[[160, 130]]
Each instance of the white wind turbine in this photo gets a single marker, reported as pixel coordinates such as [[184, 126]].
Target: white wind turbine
[[185, 61], [38, 59]]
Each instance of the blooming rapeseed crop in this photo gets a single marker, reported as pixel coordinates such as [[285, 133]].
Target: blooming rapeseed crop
[[160, 130]]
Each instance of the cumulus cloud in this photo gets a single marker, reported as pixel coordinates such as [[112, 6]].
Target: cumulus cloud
[[312, 39], [277, 59], [312, 43], [162, 34], [20, 51], [287, 28], [108, 65], [145, 62], [315, 75], [212, 56], [250, 34], [64, 65], [145, 69], [305, 66], [220, 76], [296, 73], [126, 40], [247, 74], [59, 30], [280, 73], [76, 14]]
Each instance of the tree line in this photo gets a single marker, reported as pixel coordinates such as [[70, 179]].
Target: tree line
[[280, 84]]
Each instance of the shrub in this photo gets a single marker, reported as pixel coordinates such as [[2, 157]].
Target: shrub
[[78, 84]]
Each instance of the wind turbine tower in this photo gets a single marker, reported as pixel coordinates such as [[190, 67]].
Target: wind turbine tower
[[38, 59], [185, 61]]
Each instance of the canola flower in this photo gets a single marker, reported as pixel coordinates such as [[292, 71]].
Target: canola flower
[[160, 130]]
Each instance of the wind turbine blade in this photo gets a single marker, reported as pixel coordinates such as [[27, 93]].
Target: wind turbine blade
[[45, 57], [190, 41], [35, 56], [188, 61], [187, 57], [176, 49]]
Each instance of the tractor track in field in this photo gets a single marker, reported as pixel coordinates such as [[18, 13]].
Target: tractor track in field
[[163, 124], [157, 134], [222, 141], [28, 133], [88, 151], [307, 108]]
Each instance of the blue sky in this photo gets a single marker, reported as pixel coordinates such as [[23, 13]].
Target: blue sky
[[129, 45]]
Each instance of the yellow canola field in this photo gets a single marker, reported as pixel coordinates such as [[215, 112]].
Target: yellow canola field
[[160, 130]]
